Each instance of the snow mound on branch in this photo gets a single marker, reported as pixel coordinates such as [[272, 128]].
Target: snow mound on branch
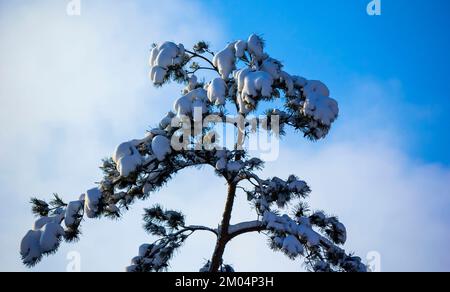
[[192, 84], [292, 246], [299, 81], [234, 166], [288, 82], [41, 222], [72, 213], [256, 47], [240, 47], [91, 202], [251, 86], [225, 61], [222, 161], [217, 91], [163, 56], [161, 147], [30, 248], [166, 121], [318, 105], [186, 104], [127, 158], [273, 67], [51, 237]]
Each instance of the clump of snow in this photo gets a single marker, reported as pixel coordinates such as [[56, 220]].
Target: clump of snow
[[166, 121], [186, 104], [318, 105], [272, 66], [225, 61], [299, 82], [289, 83], [240, 47], [252, 85], [292, 246], [234, 166], [192, 84], [50, 237], [41, 222], [308, 234], [72, 213], [91, 202], [222, 162], [217, 91], [161, 147], [255, 47], [163, 56], [258, 82], [127, 158], [30, 248]]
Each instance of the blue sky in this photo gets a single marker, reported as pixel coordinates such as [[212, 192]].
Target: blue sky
[[72, 88], [332, 40]]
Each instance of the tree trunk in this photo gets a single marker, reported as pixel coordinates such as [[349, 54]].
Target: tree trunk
[[223, 237]]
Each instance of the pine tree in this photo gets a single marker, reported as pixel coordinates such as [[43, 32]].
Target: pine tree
[[246, 77]]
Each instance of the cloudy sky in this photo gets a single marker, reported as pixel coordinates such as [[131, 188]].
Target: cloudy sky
[[73, 87]]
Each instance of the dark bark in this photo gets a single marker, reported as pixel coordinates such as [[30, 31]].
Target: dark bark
[[223, 237]]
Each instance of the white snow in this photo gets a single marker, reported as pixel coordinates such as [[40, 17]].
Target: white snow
[[157, 75], [195, 99], [41, 222], [92, 200], [251, 85], [50, 237], [163, 56], [127, 158], [272, 66], [244, 226], [192, 83], [316, 87], [161, 147], [292, 246], [289, 82], [285, 224], [167, 120], [30, 248], [257, 82], [234, 166], [308, 234], [299, 82], [255, 47], [217, 91], [318, 105], [221, 164], [72, 210], [225, 61], [240, 47]]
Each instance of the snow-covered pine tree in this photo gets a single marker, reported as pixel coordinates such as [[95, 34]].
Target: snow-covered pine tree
[[246, 75]]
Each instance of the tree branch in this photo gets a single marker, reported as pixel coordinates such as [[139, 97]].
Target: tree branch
[[245, 227], [203, 58]]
